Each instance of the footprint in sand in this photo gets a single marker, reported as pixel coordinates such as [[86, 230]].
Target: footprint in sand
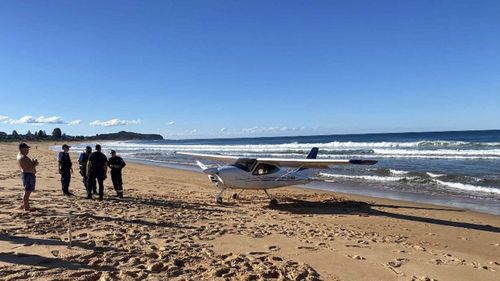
[[258, 253], [419, 248], [356, 257], [398, 262], [422, 278], [311, 248], [273, 248]]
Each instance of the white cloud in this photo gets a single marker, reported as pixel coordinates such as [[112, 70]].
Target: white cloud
[[193, 132], [75, 122], [222, 130], [269, 130], [41, 120], [171, 123], [114, 122], [4, 119]]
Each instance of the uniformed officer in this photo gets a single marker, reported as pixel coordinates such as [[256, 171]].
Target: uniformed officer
[[65, 169], [82, 161], [116, 164], [96, 171]]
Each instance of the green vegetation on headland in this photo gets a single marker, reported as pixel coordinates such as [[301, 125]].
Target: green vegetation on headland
[[57, 134]]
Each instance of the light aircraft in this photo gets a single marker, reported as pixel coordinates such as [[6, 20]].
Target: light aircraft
[[245, 173]]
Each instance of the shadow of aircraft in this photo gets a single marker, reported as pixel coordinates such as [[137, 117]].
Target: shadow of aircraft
[[336, 207]]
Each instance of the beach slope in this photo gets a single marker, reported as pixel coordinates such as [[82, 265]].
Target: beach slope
[[168, 227]]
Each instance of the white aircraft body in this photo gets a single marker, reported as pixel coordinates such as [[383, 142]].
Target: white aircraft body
[[245, 173]]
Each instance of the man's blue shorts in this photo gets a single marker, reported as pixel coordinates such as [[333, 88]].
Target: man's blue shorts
[[29, 181]]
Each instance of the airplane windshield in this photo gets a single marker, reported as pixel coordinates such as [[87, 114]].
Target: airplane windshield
[[264, 169], [245, 164]]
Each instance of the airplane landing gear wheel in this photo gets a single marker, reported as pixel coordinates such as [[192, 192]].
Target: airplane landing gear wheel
[[273, 202], [218, 200], [235, 196]]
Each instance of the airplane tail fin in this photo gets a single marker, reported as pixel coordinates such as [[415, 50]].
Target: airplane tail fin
[[312, 155]]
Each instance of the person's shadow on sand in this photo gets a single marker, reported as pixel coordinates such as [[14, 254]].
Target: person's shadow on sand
[[36, 260], [28, 241], [334, 207]]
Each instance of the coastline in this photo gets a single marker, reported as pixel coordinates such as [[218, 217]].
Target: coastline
[[169, 227], [455, 170]]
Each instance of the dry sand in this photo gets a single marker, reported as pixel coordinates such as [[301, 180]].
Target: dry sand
[[168, 227]]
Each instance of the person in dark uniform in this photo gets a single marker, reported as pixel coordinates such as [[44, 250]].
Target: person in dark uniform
[[96, 170], [116, 164], [65, 169], [82, 161]]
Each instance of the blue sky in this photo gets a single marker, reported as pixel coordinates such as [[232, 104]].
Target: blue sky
[[189, 69]]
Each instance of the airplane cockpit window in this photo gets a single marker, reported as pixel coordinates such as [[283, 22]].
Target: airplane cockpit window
[[264, 169], [245, 164]]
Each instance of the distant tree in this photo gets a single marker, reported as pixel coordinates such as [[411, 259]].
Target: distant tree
[[41, 134], [3, 135], [64, 136], [29, 133], [57, 133], [15, 134], [36, 134]]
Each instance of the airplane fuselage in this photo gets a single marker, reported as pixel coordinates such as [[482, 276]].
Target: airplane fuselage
[[236, 178]]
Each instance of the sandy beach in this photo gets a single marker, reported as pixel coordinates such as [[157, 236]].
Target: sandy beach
[[169, 228]]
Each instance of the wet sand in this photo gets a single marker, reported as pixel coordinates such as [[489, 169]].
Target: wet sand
[[168, 227]]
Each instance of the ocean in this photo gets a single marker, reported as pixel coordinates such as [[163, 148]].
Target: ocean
[[459, 168]]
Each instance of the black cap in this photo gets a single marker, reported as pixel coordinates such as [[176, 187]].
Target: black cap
[[88, 148], [112, 152], [23, 145], [97, 147], [65, 145]]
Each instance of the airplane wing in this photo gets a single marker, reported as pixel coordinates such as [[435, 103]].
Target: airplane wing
[[223, 158], [284, 162], [314, 163]]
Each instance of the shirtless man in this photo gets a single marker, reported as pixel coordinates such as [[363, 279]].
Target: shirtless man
[[28, 172]]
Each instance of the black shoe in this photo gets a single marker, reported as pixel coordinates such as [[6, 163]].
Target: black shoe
[[95, 192], [70, 194], [67, 194], [121, 195], [100, 198], [89, 196]]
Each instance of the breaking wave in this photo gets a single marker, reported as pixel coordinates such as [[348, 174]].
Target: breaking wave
[[413, 150], [453, 185]]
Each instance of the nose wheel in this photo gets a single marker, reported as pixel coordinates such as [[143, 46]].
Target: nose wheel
[[218, 197]]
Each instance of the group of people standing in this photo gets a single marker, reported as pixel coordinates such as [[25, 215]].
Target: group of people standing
[[93, 169]]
